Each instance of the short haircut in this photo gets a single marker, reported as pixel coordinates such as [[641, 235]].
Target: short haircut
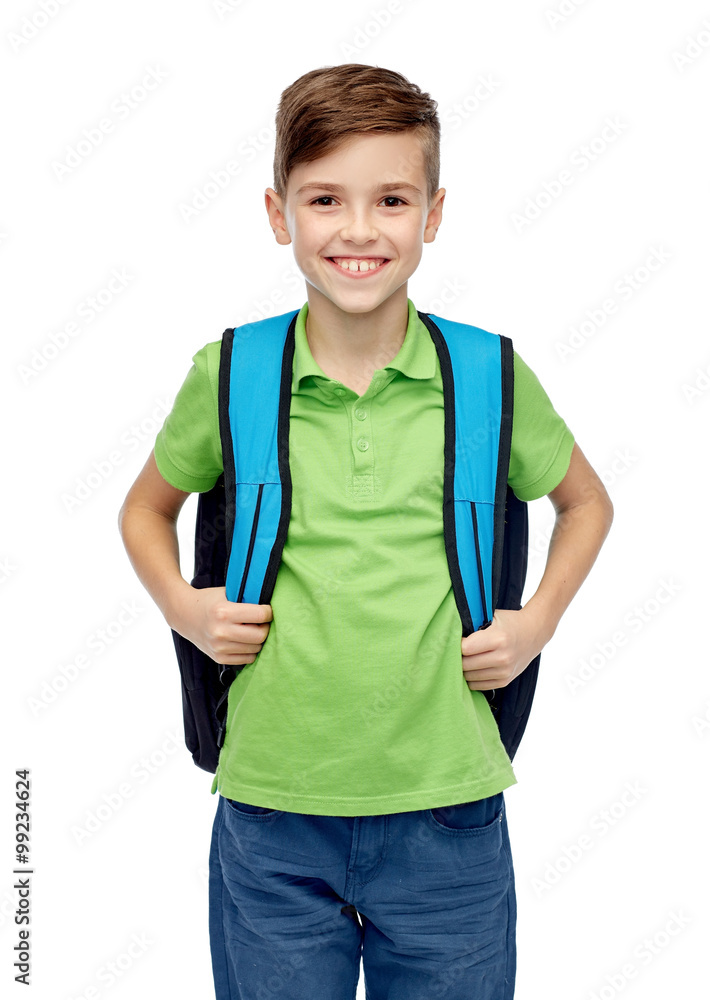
[[326, 107]]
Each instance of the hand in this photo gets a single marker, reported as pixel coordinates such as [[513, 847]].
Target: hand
[[228, 632], [494, 656]]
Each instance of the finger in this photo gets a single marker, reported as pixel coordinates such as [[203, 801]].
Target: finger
[[483, 685], [235, 653], [233, 660], [239, 613], [223, 643], [235, 646], [238, 632], [495, 658], [483, 676], [482, 641]]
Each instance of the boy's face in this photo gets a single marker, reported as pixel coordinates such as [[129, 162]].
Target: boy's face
[[365, 206]]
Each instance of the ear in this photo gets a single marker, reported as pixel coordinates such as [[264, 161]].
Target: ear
[[277, 218], [434, 217]]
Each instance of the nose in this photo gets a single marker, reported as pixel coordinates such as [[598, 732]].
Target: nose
[[359, 226]]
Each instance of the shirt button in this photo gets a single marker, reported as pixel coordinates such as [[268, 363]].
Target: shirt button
[[361, 414], [339, 390], [363, 444]]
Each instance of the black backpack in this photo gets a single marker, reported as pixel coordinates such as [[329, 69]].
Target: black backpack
[[205, 684]]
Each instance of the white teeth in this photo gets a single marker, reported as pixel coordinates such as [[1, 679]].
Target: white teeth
[[358, 265]]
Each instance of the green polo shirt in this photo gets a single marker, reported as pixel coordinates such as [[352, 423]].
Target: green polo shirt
[[357, 703]]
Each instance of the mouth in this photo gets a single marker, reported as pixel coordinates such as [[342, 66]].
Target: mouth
[[359, 267]]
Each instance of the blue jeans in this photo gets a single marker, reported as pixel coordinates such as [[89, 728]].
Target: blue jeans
[[427, 898]]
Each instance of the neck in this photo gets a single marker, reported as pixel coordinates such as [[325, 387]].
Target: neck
[[355, 344]]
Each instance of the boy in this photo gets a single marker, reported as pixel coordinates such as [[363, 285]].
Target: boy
[[361, 779]]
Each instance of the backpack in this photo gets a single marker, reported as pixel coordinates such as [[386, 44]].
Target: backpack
[[240, 548]]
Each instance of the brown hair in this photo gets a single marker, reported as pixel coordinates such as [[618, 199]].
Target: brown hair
[[324, 108]]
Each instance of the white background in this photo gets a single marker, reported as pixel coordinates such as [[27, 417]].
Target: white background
[[633, 388]]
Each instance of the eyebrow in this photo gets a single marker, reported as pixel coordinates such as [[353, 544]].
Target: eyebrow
[[396, 185]]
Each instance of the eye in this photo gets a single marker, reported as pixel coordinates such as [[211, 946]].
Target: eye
[[392, 197], [324, 197]]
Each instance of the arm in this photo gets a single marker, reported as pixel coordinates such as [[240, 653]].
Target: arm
[[147, 522], [493, 657]]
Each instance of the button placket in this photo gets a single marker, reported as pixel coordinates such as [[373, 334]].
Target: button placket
[[363, 455], [365, 484], [361, 436]]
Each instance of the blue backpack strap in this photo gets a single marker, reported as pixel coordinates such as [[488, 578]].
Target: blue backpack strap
[[478, 416], [256, 366], [477, 377]]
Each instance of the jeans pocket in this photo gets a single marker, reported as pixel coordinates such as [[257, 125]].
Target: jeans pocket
[[470, 816], [246, 809]]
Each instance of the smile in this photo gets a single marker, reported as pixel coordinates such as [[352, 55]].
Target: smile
[[358, 267]]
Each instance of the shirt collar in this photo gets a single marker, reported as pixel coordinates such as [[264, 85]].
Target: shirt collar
[[416, 357]]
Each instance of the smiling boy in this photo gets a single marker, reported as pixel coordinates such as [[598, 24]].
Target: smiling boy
[[360, 807]]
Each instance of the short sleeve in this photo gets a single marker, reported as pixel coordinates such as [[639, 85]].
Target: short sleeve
[[541, 445], [188, 449]]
